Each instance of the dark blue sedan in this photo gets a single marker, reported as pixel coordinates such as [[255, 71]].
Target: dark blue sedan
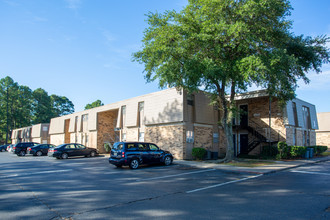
[[40, 149]]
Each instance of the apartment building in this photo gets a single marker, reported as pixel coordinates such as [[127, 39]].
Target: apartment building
[[35, 133], [177, 121]]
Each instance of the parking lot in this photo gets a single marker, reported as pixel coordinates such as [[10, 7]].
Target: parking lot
[[91, 188]]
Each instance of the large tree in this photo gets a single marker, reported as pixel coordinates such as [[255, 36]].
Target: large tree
[[97, 103], [224, 46], [61, 105]]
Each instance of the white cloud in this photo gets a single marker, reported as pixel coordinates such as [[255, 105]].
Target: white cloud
[[319, 81], [73, 4]]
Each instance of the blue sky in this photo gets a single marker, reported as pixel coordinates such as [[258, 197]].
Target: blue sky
[[82, 49]]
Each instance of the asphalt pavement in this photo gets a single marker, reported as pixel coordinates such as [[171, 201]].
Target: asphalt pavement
[[277, 166]]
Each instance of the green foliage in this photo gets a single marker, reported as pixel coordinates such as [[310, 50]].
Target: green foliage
[[225, 46], [297, 151], [319, 149], [198, 153], [269, 151], [20, 107], [97, 103], [283, 150]]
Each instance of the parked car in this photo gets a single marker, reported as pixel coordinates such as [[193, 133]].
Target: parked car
[[21, 148], [40, 149], [133, 154], [64, 151], [10, 147], [3, 148]]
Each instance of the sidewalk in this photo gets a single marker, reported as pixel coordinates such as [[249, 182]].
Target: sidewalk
[[272, 168]]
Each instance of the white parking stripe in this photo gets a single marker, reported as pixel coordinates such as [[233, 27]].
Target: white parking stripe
[[35, 173], [222, 184], [175, 175], [307, 172]]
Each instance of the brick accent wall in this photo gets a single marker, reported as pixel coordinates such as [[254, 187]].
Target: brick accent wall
[[66, 131], [168, 137], [105, 130]]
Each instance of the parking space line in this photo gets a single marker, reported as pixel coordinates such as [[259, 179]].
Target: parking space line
[[222, 184], [307, 172], [175, 175], [35, 173]]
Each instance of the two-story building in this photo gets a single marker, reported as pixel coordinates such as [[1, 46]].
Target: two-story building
[[178, 121]]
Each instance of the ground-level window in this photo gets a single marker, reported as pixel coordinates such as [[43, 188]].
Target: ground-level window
[[141, 136], [215, 138], [123, 138], [190, 137]]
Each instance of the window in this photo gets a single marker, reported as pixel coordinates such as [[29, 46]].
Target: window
[[215, 138], [153, 147], [84, 120], [141, 114], [190, 137], [295, 116], [142, 146], [141, 136], [123, 115], [131, 147], [294, 137], [44, 128], [76, 123], [306, 117], [118, 147], [123, 138]]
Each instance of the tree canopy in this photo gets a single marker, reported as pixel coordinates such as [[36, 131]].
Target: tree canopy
[[225, 46], [97, 103], [21, 107]]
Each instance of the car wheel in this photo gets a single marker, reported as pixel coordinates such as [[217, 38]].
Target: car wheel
[[134, 164], [64, 156], [39, 153], [167, 160], [3, 150], [92, 154], [21, 153]]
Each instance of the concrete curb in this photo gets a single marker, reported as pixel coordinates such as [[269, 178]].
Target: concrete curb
[[264, 170]]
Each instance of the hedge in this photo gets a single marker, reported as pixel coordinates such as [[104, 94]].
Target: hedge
[[198, 153]]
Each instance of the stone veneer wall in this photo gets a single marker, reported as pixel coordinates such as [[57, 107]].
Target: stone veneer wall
[[105, 129], [167, 137], [323, 138], [203, 137]]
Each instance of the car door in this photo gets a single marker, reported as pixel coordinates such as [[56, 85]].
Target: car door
[[144, 152], [70, 149], [155, 153], [81, 150]]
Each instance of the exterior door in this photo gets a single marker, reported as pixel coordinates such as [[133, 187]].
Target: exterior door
[[155, 153], [243, 115], [243, 143]]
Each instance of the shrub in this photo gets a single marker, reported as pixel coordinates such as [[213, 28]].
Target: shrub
[[283, 150], [198, 153], [319, 149], [297, 151]]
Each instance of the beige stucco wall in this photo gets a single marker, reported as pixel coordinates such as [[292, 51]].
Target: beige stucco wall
[[57, 139], [323, 134]]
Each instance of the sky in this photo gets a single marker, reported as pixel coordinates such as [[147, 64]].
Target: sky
[[82, 49]]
